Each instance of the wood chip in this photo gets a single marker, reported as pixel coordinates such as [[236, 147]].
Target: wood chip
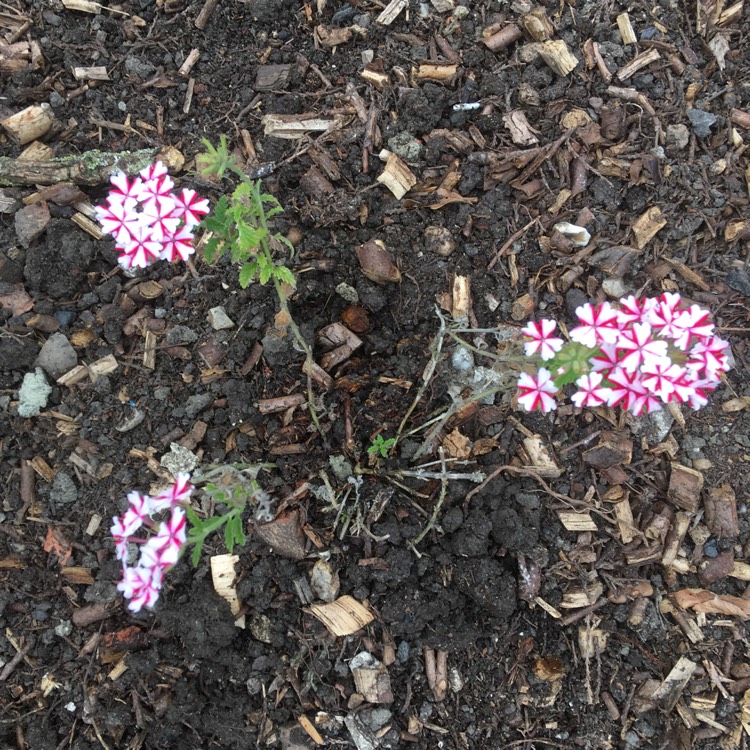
[[371, 678], [539, 458], [92, 73], [29, 124], [344, 616], [685, 486], [391, 12], [613, 449], [293, 127], [573, 521], [646, 226], [670, 690], [721, 511], [627, 32], [557, 55], [224, 576], [641, 61], [397, 176]]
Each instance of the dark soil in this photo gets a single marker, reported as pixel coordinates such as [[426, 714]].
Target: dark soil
[[182, 675]]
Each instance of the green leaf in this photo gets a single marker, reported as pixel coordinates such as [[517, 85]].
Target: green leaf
[[247, 273], [282, 273], [195, 555], [266, 269]]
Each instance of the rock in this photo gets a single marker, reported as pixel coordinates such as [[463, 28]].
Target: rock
[[405, 146], [439, 240], [31, 221], [179, 460], [615, 287], [63, 490], [177, 335], [347, 293], [324, 581], [197, 403], [678, 136], [57, 356], [218, 319], [139, 67], [739, 280], [33, 394], [701, 121]]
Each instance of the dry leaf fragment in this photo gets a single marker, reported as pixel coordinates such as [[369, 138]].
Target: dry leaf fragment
[[457, 445]]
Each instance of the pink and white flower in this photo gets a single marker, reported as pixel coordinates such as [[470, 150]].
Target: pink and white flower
[[148, 221], [647, 353], [537, 392], [541, 339], [598, 325], [641, 347], [141, 583], [190, 207], [591, 393]]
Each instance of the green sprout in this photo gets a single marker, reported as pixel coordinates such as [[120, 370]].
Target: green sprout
[[381, 445]]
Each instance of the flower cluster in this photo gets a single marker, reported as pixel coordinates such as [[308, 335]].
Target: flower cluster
[[645, 352], [148, 221], [141, 583]]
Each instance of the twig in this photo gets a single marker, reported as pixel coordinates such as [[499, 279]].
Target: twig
[[439, 504], [205, 14], [14, 662], [515, 236], [435, 348]]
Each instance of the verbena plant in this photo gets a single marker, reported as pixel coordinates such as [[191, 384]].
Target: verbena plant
[[239, 222], [240, 227]]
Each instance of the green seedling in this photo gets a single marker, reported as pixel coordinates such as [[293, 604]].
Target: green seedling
[[381, 445]]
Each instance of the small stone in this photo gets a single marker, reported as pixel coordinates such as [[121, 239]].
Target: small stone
[[197, 403], [31, 221], [739, 280], [439, 240], [57, 356], [64, 628], [63, 490], [701, 121], [218, 319], [678, 136], [347, 293], [324, 581], [137, 66], [180, 335], [615, 287], [179, 460], [33, 394], [406, 146]]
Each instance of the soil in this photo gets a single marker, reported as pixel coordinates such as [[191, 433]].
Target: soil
[[551, 635]]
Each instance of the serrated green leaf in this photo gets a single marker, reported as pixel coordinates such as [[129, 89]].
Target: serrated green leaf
[[247, 273], [282, 273], [266, 269]]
